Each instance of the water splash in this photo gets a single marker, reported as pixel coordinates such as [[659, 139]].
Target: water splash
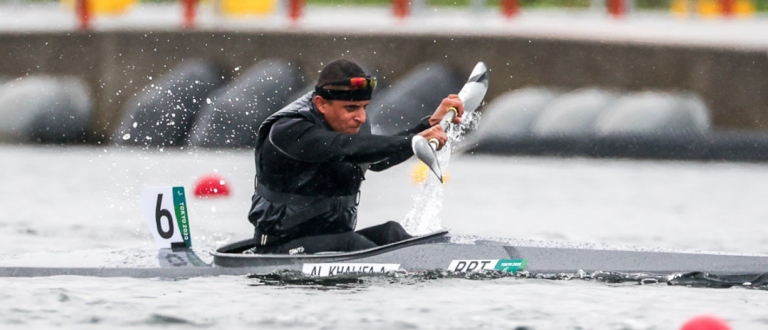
[[423, 218]]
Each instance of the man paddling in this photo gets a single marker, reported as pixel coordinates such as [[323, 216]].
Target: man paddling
[[311, 158]]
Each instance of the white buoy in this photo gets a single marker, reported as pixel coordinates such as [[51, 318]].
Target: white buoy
[[235, 111], [654, 113], [512, 115], [44, 108], [412, 97], [573, 114], [163, 112]]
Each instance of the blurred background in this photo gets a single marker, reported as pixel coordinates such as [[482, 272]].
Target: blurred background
[[102, 98], [668, 79]]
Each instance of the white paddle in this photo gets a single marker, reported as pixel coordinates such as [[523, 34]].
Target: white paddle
[[471, 95]]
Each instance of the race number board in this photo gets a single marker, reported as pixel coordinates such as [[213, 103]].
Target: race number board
[[165, 210]]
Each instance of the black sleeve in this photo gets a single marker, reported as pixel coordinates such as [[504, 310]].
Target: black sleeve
[[306, 142], [422, 125], [401, 156]]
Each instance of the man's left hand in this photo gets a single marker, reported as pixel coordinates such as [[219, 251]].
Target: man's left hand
[[448, 102]]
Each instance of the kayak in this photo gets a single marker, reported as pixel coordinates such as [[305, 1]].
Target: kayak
[[435, 251]]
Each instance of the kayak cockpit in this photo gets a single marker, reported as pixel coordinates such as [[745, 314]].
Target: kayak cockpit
[[240, 253]]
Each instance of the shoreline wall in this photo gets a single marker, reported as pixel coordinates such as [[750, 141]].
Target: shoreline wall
[[118, 64]]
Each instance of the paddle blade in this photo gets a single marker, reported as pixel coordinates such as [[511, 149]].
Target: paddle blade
[[424, 151], [474, 90]]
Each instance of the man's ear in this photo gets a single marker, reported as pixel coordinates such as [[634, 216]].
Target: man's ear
[[320, 103]]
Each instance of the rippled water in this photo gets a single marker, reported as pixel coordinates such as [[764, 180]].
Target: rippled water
[[64, 199]]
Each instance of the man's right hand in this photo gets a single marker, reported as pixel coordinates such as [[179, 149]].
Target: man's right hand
[[452, 101], [435, 132]]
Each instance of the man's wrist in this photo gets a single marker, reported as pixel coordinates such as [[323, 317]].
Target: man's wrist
[[427, 122]]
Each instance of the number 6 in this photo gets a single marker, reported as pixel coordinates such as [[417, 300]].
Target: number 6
[[159, 214]]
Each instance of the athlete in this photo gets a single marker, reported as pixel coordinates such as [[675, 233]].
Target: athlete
[[311, 158]]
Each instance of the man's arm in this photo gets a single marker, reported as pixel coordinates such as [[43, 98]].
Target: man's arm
[[304, 141], [424, 126], [401, 156]]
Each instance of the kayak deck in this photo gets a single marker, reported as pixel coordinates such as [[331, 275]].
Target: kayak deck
[[425, 253]]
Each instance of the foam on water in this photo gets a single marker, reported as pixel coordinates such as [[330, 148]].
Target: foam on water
[[348, 281]]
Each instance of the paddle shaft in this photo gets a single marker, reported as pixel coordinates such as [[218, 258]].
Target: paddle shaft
[[444, 123]]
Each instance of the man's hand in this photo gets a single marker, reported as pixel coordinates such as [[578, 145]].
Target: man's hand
[[450, 101], [435, 132]]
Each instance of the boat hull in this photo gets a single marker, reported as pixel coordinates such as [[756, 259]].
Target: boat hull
[[537, 260], [430, 252]]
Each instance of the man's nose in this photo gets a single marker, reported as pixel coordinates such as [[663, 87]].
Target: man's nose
[[360, 116]]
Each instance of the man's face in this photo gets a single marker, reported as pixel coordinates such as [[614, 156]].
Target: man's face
[[342, 116]]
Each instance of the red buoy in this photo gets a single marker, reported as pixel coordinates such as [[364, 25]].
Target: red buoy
[[510, 8], [617, 8], [401, 8], [705, 322], [190, 12], [212, 185]]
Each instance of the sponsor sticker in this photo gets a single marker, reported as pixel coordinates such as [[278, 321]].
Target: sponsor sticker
[[504, 265], [331, 269]]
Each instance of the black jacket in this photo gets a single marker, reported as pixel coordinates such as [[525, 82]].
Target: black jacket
[[302, 165]]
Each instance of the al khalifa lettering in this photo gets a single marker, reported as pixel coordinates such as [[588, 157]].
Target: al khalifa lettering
[[337, 270], [342, 269], [332, 269]]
